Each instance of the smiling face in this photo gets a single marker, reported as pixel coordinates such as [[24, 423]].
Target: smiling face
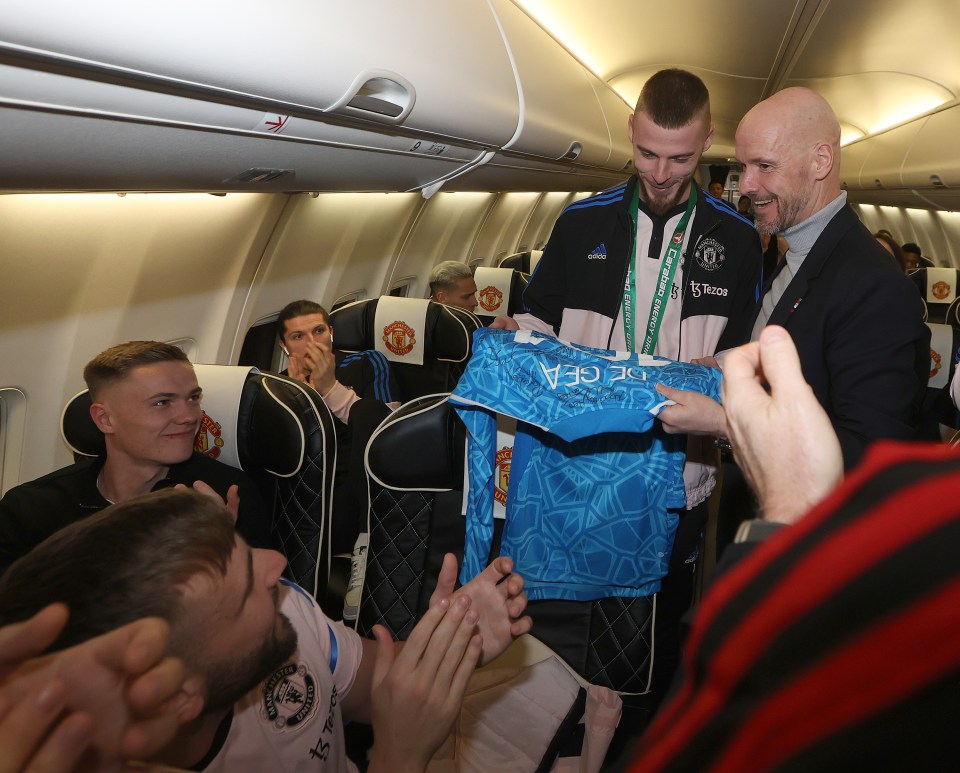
[[666, 159], [237, 633], [775, 176], [151, 416], [788, 146]]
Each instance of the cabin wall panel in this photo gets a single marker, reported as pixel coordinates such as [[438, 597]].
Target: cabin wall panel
[[503, 227], [446, 228], [540, 225], [330, 245], [937, 233], [82, 273]]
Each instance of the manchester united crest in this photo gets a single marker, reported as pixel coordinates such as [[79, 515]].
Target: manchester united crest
[[940, 290], [399, 337], [209, 440], [504, 457], [289, 696], [490, 298], [710, 255], [936, 362]]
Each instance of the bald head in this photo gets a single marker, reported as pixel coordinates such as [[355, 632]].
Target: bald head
[[789, 145]]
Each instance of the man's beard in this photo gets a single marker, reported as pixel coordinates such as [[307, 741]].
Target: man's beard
[[664, 202], [788, 213], [228, 682]]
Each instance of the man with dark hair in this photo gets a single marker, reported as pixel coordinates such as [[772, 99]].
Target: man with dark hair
[[306, 337], [913, 257], [267, 674], [452, 283], [655, 266], [146, 401], [715, 189]]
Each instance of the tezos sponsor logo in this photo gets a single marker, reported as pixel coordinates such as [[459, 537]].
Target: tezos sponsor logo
[[710, 255], [702, 288]]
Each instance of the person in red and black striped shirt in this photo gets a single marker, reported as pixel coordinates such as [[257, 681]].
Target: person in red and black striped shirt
[[834, 645]]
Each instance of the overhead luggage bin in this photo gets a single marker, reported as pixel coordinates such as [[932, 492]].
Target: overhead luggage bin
[[882, 166], [925, 164], [304, 56], [562, 118]]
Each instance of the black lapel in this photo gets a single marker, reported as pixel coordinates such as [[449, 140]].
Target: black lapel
[[812, 265]]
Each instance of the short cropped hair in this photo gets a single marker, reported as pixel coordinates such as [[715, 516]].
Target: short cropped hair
[[445, 275], [128, 561], [298, 309], [673, 98], [912, 248], [116, 362]]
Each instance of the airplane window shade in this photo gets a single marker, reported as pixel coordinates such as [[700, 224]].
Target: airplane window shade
[[13, 410], [346, 298]]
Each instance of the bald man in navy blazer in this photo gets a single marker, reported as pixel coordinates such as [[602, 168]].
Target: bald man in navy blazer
[[856, 320]]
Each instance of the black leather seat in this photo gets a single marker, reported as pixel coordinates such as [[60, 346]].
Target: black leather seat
[[282, 435], [415, 465], [447, 339], [525, 262]]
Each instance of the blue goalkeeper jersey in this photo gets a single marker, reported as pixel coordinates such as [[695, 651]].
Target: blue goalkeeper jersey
[[593, 478]]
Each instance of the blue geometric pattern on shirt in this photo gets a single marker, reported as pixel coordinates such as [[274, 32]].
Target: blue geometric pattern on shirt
[[593, 521]]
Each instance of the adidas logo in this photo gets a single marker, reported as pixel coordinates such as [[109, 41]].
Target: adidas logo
[[599, 253]]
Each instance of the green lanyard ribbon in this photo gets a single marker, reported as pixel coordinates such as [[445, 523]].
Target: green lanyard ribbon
[[668, 269]]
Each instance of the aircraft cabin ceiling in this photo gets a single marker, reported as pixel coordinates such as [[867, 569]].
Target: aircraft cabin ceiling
[[467, 95]]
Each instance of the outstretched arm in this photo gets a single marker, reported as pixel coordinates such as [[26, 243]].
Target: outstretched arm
[[497, 596]]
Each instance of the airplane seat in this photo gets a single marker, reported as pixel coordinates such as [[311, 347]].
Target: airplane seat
[[952, 315], [415, 510], [427, 344], [499, 292], [938, 288], [525, 262], [281, 434], [416, 516], [939, 416]]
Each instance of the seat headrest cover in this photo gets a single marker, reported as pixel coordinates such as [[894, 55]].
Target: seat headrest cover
[[447, 332], [535, 256], [493, 290], [941, 285], [222, 387], [941, 352], [401, 325]]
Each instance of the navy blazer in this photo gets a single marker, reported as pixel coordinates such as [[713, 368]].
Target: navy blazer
[[858, 326]]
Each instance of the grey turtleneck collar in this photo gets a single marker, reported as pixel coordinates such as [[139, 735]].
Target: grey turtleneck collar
[[802, 236]]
